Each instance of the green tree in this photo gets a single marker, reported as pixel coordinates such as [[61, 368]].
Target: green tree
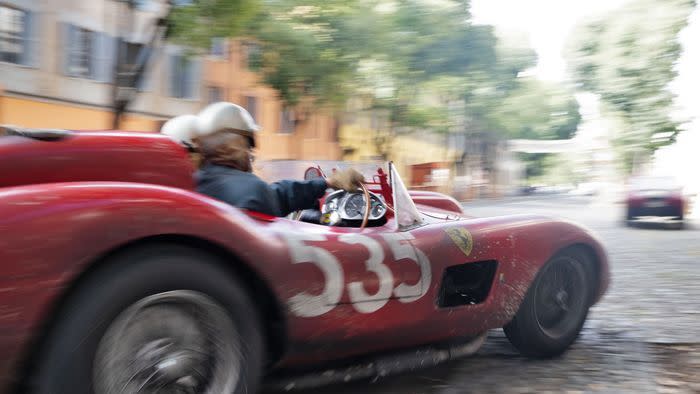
[[420, 65], [628, 57], [195, 24], [312, 48], [432, 61], [538, 110]]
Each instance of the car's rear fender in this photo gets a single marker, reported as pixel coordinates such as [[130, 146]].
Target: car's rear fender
[[520, 244], [536, 239], [548, 237], [53, 233]]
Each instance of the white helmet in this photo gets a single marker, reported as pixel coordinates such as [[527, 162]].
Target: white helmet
[[181, 129], [227, 116]]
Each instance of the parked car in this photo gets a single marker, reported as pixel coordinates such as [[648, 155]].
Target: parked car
[[654, 199]]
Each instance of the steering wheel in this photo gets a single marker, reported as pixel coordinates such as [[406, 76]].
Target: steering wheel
[[368, 206]]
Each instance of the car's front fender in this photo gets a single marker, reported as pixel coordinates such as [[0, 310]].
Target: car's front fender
[[51, 233]]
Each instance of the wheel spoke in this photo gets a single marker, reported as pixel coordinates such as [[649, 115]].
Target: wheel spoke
[[145, 382], [174, 342], [558, 305]]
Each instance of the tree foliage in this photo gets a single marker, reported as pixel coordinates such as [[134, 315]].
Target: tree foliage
[[312, 48], [422, 65], [195, 24], [539, 110], [628, 58]]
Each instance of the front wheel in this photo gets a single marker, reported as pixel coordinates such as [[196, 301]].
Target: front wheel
[[159, 319], [555, 307]]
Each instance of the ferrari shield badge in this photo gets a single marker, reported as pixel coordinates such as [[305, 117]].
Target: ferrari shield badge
[[462, 238]]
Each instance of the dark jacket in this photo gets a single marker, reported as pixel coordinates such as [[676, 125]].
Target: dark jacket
[[245, 190]]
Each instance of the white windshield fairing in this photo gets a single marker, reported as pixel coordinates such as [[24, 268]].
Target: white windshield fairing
[[407, 215]]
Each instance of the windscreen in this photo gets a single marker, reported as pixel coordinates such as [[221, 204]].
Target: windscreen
[[407, 215]]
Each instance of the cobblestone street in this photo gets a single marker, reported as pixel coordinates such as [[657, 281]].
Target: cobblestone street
[[643, 337]]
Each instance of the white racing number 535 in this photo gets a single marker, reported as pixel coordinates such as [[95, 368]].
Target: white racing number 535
[[305, 304]]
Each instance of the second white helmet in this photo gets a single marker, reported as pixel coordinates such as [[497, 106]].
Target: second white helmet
[[181, 128], [226, 116]]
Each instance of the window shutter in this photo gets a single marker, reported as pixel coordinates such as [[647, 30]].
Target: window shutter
[[30, 54], [103, 56], [194, 71], [186, 74], [146, 83], [64, 47], [172, 75], [68, 36], [96, 56], [143, 82]]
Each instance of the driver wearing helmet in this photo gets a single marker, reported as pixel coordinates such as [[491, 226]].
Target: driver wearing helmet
[[225, 138]]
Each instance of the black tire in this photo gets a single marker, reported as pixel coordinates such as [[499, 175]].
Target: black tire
[[538, 335], [629, 217], [681, 220], [66, 359]]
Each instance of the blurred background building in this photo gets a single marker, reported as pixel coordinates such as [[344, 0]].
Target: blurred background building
[[57, 66]]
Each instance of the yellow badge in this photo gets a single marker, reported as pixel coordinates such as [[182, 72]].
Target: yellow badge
[[462, 238], [326, 218]]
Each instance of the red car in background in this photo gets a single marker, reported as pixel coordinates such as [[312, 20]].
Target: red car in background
[[118, 277], [655, 199]]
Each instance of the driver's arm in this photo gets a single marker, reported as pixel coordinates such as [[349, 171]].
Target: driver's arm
[[298, 195]]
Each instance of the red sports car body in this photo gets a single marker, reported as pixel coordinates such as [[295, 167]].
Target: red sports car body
[[79, 210]]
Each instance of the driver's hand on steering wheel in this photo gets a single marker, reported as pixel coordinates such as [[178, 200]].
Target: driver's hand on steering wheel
[[349, 180]]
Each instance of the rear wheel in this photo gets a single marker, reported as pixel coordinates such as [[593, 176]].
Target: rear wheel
[[555, 307], [159, 319], [681, 223], [629, 217]]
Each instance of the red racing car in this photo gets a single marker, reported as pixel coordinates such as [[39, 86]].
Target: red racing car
[[117, 277]]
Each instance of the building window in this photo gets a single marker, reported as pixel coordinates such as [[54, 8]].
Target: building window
[[251, 104], [13, 32], [79, 56], [130, 59], [88, 54], [252, 55], [286, 121], [214, 94], [184, 77], [218, 47]]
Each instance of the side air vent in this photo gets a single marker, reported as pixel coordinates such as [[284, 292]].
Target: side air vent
[[467, 284]]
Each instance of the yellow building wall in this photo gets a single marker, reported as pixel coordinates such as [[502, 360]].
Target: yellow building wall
[[38, 114], [313, 137], [404, 151]]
